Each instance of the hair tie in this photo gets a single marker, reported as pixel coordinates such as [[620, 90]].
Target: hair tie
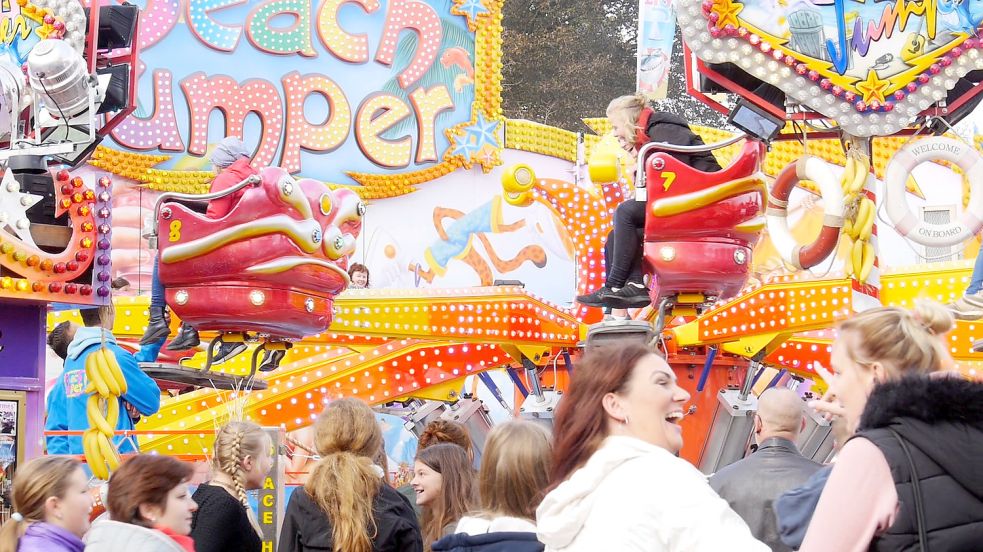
[[17, 517], [917, 317]]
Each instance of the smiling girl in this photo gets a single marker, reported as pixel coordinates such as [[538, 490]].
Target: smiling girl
[[445, 489], [617, 481]]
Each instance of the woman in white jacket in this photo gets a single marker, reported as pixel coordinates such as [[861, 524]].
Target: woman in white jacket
[[618, 483]]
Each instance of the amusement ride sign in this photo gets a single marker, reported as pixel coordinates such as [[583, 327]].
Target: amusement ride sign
[[383, 86], [872, 66]]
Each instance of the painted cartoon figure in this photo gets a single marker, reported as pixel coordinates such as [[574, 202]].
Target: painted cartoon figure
[[456, 243]]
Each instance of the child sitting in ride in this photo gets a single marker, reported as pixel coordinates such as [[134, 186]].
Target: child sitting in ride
[[231, 162], [635, 123]]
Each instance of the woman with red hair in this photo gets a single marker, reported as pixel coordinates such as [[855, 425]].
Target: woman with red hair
[[618, 482]]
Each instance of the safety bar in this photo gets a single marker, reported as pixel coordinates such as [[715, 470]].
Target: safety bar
[[662, 146], [169, 196]]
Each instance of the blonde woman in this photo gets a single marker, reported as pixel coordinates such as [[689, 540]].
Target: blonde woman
[[514, 474], [909, 479], [345, 504], [635, 123], [243, 456], [51, 503]]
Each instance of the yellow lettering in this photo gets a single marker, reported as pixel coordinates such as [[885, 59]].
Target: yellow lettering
[[175, 231], [376, 115], [668, 177], [268, 484], [268, 501], [428, 103], [267, 546], [268, 518]]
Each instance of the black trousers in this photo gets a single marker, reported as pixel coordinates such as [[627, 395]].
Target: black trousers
[[623, 248]]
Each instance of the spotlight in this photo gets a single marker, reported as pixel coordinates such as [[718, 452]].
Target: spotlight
[[11, 90], [116, 79], [116, 25], [58, 73]]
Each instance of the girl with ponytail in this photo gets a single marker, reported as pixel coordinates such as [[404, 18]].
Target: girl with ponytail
[[224, 520], [345, 506], [51, 503]]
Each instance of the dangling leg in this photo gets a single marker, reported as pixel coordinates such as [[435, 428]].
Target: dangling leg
[[629, 222], [157, 327]]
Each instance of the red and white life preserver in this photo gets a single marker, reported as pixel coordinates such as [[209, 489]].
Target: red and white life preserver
[[898, 169], [795, 254]]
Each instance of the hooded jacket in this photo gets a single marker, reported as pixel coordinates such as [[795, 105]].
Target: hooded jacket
[[229, 177], [941, 422], [634, 496], [115, 536], [502, 534], [67, 399], [45, 537], [306, 527], [672, 129]]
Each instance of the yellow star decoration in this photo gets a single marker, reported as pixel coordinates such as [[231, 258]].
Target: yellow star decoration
[[727, 10], [872, 87]]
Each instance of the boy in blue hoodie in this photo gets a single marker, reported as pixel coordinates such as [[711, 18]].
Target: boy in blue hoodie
[[67, 399]]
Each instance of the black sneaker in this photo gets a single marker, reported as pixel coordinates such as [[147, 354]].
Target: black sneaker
[[631, 296], [271, 360], [226, 351], [595, 299]]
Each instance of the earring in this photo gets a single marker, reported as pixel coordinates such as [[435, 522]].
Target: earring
[[625, 421]]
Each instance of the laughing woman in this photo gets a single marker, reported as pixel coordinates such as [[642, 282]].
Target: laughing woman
[[617, 481]]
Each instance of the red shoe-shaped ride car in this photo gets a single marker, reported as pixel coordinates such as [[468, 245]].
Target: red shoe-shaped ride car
[[700, 227], [272, 265]]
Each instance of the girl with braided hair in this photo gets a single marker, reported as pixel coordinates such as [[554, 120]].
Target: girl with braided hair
[[224, 520]]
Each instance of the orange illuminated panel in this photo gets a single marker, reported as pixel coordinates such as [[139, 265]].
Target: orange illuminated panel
[[482, 314]]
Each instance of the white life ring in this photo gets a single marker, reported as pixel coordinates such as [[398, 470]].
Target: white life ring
[[805, 168], [898, 169]]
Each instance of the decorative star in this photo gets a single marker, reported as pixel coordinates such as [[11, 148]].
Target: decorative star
[[872, 87], [483, 131], [470, 9], [465, 147], [13, 208], [727, 10]]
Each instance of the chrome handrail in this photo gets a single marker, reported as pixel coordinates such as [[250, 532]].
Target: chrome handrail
[[663, 146], [169, 196]]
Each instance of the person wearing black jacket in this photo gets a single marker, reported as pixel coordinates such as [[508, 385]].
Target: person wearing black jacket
[[346, 503], [930, 431], [305, 527], [635, 124]]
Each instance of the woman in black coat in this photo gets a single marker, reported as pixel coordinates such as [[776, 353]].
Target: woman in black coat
[[346, 504]]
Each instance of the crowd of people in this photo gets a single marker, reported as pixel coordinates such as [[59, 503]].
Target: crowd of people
[[608, 477]]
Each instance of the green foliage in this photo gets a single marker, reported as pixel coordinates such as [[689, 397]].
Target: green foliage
[[566, 59]]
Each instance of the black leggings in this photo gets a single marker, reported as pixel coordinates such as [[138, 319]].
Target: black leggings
[[623, 249]]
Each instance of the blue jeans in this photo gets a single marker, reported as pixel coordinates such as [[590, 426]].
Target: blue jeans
[[156, 288], [976, 281]]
